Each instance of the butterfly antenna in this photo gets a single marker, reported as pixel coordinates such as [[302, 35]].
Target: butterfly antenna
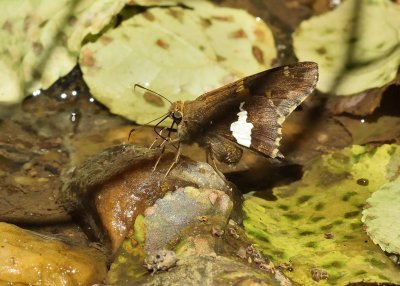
[[145, 88], [164, 115]]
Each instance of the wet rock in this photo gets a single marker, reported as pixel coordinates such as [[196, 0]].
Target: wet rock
[[170, 218], [109, 190], [172, 227], [28, 258]]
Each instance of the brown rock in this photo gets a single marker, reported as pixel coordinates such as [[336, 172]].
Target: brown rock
[[28, 258], [110, 189]]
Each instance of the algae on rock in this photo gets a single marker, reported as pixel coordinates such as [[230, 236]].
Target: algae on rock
[[315, 223], [191, 227]]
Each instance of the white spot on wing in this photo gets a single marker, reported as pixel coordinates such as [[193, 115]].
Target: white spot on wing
[[241, 129]]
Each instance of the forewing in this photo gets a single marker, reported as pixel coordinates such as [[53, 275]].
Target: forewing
[[258, 105], [286, 86]]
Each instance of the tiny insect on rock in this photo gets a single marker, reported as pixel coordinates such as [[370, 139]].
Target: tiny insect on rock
[[246, 113]]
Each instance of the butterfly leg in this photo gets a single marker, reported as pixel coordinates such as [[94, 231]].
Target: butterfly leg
[[170, 130], [159, 158], [164, 141], [162, 145], [167, 139], [176, 159], [214, 163], [154, 142]]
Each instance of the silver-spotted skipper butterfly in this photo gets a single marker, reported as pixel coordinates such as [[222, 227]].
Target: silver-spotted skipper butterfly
[[246, 113]]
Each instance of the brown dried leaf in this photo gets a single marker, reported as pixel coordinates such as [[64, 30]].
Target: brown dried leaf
[[361, 104], [385, 129]]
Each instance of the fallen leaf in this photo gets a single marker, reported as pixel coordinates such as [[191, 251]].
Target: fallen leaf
[[355, 45], [381, 217], [40, 40], [363, 130]]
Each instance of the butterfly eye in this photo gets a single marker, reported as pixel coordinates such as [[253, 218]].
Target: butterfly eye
[[177, 116]]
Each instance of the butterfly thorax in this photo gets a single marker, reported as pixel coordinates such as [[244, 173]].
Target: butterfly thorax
[[187, 117]]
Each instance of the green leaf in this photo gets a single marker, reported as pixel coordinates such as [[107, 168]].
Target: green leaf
[[381, 218]]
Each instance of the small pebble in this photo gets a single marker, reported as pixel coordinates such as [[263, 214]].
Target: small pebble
[[160, 260], [319, 274], [241, 253], [203, 218], [363, 182], [267, 267], [232, 232], [217, 231], [133, 242]]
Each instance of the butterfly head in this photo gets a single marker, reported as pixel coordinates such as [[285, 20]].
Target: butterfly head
[[176, 112]]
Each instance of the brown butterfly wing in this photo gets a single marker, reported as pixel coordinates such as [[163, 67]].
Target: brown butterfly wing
[[266, 132], [268, 97]]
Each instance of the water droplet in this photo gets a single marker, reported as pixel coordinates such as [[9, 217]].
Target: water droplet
[[281, 47], [74, 93], [258, 19], [63, 95], [91, 99], [36, 92], [362, 120], [363, 182], [334, 3], [73, 116]]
